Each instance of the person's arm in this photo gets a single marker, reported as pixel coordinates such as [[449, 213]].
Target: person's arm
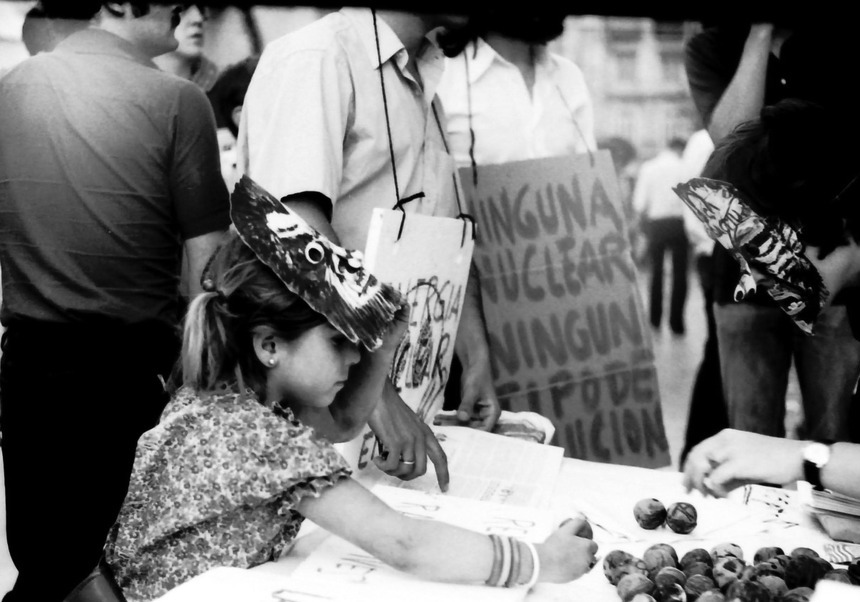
[[732, 458], [403, 435], [744, 97], [426, 548], [198, 250], [842, 473], [200, 195], [840, 268], [295, 116], [478, 402], [345, 418]]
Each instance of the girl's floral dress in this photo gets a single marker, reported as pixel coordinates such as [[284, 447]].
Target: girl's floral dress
[[216, 483]]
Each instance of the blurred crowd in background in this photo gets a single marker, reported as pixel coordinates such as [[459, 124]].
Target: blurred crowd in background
[[673, 93]]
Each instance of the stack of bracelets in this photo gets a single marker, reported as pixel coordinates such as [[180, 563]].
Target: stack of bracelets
[[508, 563]]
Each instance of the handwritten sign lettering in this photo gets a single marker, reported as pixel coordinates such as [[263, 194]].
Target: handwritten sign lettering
[[428, 261], [567, 333]]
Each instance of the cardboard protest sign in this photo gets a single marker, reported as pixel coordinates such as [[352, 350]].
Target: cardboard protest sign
[[428, 261], [567, 332]]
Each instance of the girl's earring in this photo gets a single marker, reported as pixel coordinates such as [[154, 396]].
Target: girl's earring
[[272, 361]]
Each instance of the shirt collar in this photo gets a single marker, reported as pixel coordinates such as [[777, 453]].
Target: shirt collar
[[481, 56], [93, 40], [430, 60], [389, 43]]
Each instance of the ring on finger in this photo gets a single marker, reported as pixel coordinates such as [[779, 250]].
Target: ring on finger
[[407, 462]]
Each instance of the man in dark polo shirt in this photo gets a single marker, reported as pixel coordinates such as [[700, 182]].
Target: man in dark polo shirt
[[735, 71], [109, 174]]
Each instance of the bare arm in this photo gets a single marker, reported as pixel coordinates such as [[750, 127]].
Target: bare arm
[[840, 268], [842, 472], [478, 403], [395, 424], [198, 250], [432, 549], [722, 463], [345, 418], [744, 97], [351, 409]]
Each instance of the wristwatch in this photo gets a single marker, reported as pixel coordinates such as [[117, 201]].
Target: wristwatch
[[815, 457]]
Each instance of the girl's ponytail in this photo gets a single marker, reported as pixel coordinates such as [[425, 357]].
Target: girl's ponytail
[[203, 341], [241, 294]]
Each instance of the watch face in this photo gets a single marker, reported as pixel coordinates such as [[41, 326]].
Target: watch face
[[817, 453]]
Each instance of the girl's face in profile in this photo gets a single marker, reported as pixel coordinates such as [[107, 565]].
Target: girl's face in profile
[[313, 368]]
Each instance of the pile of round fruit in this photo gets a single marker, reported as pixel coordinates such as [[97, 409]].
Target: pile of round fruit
[[721, 575]]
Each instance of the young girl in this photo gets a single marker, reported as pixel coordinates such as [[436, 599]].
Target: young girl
[[241, 454]]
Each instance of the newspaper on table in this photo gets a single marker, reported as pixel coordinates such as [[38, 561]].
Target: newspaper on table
[[489, 468], [838, 514], [766, 243]]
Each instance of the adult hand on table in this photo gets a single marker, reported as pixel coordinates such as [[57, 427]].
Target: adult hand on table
[[567, 555], [479, 405], [734, 458], [407, 442]]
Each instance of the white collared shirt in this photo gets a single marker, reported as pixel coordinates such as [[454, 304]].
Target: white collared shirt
[[314, 120], [653, 196], [510, 124], [696, 153]]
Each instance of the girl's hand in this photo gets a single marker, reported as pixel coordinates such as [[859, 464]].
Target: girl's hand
[[568, 553]]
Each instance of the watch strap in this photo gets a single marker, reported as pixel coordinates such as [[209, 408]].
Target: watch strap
[[812, 475], [812, 472]]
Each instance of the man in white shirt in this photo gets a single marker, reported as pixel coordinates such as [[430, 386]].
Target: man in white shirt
[[319, 133], [662, 217], [520, 100], [508, 98]]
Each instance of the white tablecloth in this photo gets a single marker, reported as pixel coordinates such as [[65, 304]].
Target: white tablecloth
[[606, 494]]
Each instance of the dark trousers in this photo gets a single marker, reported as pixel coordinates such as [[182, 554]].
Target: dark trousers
[[708, 414], [73, 402], [667, 234]]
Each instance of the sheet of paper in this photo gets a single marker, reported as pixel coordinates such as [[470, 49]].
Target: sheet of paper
[[225, 584], [612, 491], [491, 468], [530, 524]]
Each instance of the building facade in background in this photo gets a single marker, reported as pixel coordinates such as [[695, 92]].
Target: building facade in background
[[635, 71]]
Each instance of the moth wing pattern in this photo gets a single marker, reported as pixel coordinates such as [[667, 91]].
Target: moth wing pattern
[[765, 243], [330, 279]]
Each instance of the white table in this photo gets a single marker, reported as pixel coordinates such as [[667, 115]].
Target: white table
[[606, 494]]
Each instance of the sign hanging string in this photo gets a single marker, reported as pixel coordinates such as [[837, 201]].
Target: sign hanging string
[[401, 202]]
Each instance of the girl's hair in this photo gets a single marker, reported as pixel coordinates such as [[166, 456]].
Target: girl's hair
[[240, 294]]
